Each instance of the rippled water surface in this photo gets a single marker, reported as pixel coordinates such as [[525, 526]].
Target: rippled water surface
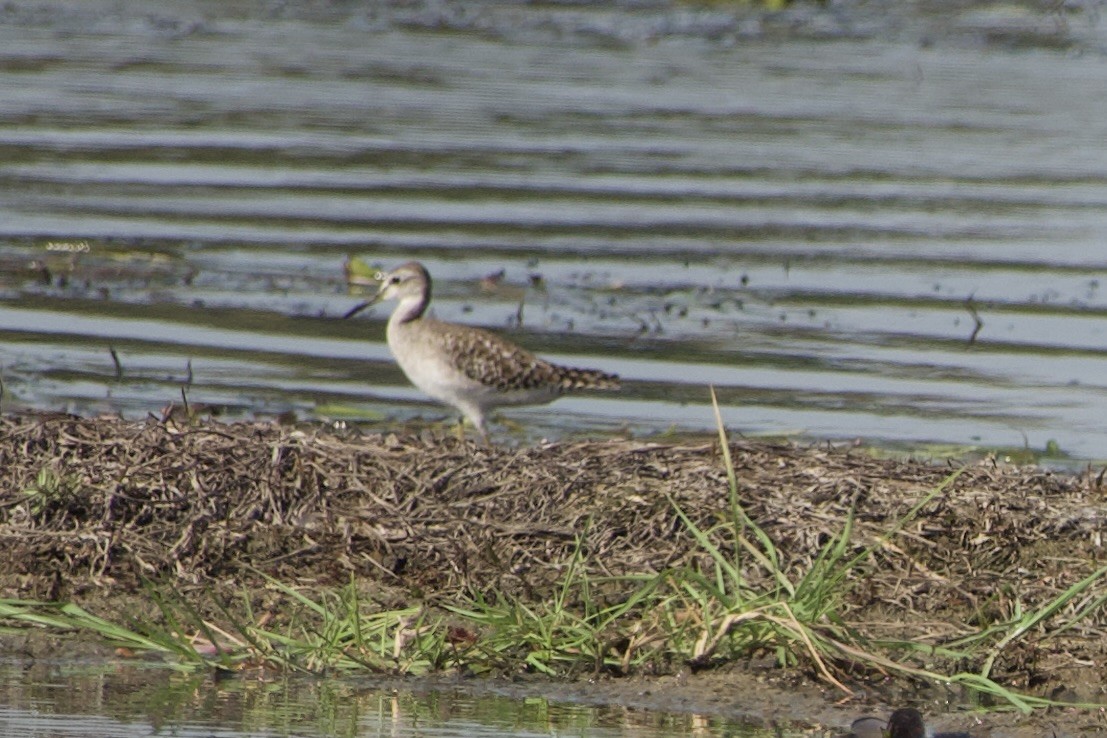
[[118, 700], [852, 225]]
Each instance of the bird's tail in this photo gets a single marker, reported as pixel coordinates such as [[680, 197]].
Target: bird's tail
[[574, 379]]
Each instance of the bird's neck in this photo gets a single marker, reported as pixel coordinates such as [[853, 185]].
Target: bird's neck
[[410, 309]]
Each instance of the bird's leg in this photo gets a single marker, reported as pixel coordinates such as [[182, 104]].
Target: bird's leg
[[482, 431]]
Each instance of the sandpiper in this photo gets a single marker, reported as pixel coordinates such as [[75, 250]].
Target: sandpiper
[[466, 367]]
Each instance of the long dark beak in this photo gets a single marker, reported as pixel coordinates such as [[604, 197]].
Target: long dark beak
[[358, 308], [379, 276]]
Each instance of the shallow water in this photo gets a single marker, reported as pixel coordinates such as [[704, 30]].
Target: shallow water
[[94, 699], [804, 210]]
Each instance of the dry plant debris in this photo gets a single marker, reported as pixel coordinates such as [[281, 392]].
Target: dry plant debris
[[96, 505]]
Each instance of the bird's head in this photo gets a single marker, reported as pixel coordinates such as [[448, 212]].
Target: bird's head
[[407, 281]]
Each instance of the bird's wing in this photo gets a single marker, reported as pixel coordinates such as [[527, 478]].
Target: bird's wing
[[494, 361]]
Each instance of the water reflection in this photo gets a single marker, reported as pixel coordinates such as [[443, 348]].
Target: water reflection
[[94, 700], [684, 197]]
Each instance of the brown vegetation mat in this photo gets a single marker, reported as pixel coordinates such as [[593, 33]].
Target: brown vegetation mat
[[119, 501]]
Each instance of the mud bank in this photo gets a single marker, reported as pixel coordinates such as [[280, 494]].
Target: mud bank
[[90, 508]]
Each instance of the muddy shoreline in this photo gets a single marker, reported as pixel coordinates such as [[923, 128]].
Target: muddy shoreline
[[206, 505], [753, 694]]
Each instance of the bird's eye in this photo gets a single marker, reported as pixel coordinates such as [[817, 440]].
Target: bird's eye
[[394, 280]]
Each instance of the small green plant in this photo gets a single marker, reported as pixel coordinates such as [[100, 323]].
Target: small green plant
[[745, 601], [724, 608], [571, 630], [337, 631], [50, 489], [67, 616]]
